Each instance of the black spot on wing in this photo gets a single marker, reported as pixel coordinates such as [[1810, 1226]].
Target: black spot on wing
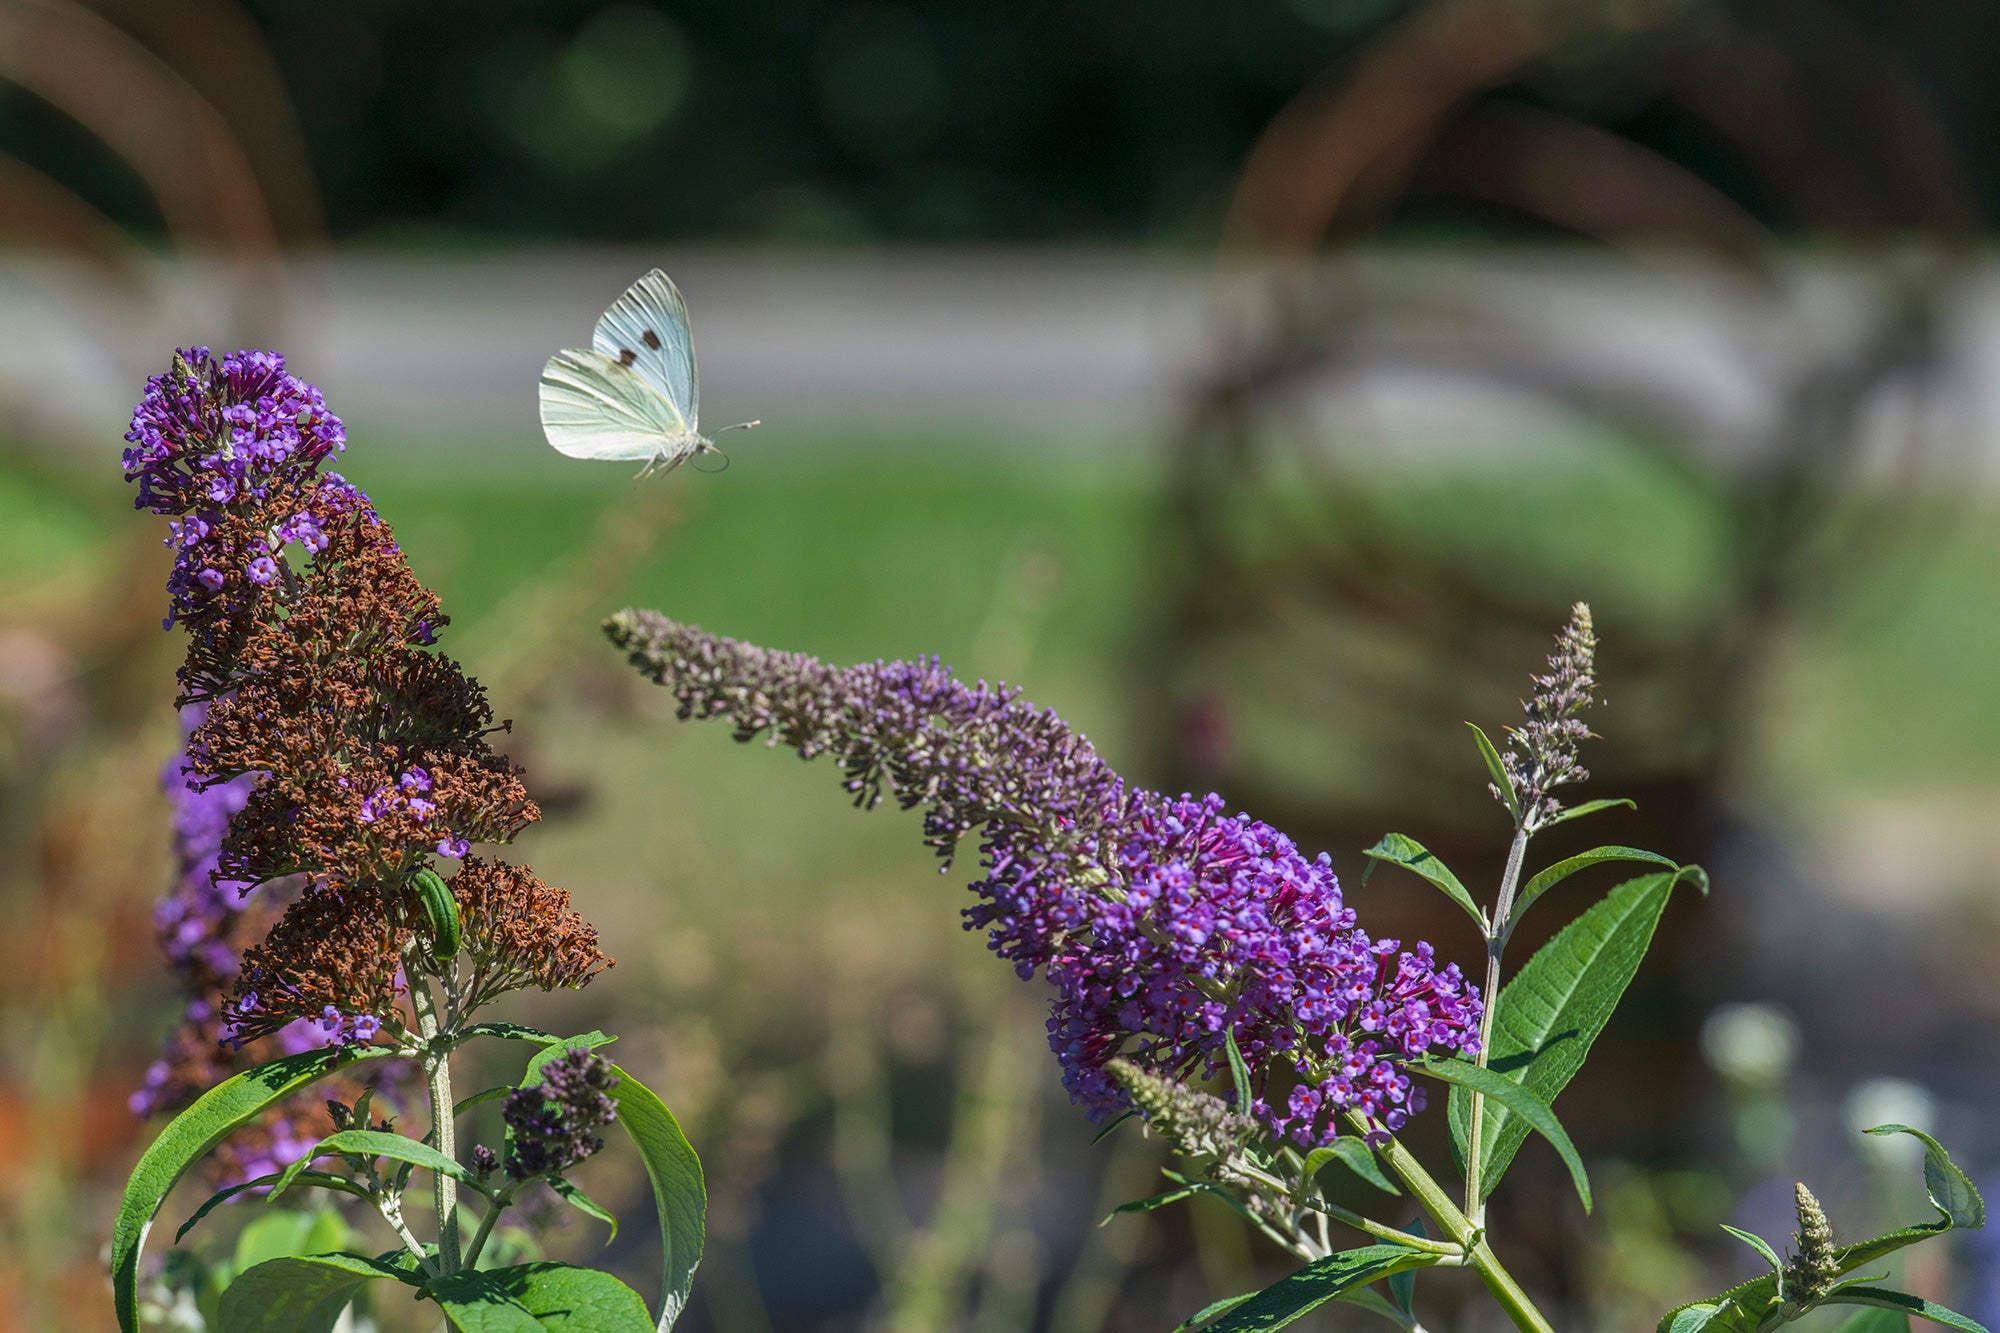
[[652, 339], [626, 356]]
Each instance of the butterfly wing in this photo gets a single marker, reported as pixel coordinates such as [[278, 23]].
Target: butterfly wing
[[647, 329], [595, 407]]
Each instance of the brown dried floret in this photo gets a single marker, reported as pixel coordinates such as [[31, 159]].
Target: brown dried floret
[[516, 931], [329, 959]]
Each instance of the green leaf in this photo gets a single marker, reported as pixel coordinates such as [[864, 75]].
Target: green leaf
[[1403, 1286], [1109, 1129], [1497, 771], [1408, 853], [285, 1233], [556, 1050], [1746, 1305], [1588, 808], [1354, 1154], [679, 1193], [1547, 1017], [1239, 1073], [1883, 1298], [298, 1295], [1876, 1320], [1952, 1191], [678, 1188], [474, 1303], [1562, 870], [530, 1298], [1762, 1246], [1690, 1319], [1185, 1190], [504, 1031], [374, 1143], [1529, 1109], [318, 1179], [221, 1196], [1317, 1283], [583, 1203], [1211, 1310], [1375, 1303], [480, 1099], [215, 1115]]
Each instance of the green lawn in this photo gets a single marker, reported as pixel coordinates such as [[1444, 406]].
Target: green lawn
[[853, 551]]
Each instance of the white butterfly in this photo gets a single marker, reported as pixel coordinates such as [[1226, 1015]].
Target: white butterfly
[[636, 393]]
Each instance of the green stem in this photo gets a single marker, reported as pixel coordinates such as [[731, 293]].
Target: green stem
[[392, 1213], [1496, 944], [1443, 1248], [437, 1075], [1479, 1255], [496, 1205]]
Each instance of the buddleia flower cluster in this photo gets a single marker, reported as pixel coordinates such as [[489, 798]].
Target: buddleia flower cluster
[[1166, 925], [341, 751]]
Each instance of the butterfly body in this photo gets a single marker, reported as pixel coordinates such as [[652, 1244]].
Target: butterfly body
[[635, 393]]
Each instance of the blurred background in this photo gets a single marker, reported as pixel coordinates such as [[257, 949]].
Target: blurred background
[[1257, 384]]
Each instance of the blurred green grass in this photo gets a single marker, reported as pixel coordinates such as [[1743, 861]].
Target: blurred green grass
[[855, 548]]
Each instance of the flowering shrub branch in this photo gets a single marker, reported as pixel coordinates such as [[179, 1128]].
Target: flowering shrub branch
[[335, 760], [1191, 949]]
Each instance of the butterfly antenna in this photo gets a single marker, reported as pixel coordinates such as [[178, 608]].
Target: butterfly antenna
[[741, 425]]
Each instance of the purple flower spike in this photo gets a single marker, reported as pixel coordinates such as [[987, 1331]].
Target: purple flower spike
[[211, 436], [1164, 925]]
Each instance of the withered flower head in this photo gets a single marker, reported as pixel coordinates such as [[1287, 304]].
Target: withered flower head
[[325, 962], [311, 646], [515, 932]]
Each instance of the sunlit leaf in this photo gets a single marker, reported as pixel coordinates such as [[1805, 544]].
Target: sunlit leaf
[[1762, 1246], [1562, 870], [1528, 1110], [188, 1138], [1885, 1299], [298, 1294], [1588, 808], [1547, 1017], [1186, 1190], [1239, 1073], [583, 1203], [1211, 1310], [1351, 1152], [1397, 850], [1318, 1282], [679, 1193], [1497, 771], [531, 1298], [369, 1143], [1952, 1191], [1112, 1128], [284, 1233]]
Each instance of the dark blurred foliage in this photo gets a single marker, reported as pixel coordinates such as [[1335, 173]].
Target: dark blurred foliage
[[834, 121]]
